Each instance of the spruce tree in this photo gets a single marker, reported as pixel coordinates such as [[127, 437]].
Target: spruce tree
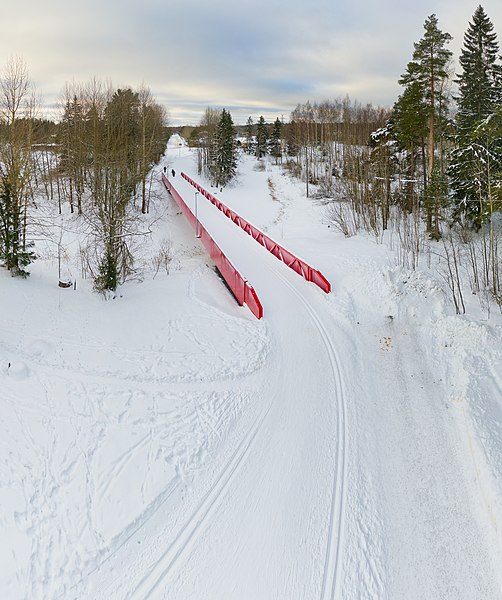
[[16, 163], [275, 139], [249, 134], [477, 156], [409, 120], [261, 138], [15, 253], [224, 163]]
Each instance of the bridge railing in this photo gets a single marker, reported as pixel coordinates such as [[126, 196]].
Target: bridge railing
[[241, 288], [297, 264]]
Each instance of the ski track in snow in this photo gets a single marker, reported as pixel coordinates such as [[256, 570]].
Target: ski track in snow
[[205, 361], [436, 536], [331, 580], [136, 464], [185, 536], [154, 580], [94, 444], [96, 457]]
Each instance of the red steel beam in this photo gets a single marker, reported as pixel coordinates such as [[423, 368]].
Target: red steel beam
[[287, 257], [241, 288]]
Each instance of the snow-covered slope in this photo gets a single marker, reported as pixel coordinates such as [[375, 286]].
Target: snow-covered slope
[[166, 444]]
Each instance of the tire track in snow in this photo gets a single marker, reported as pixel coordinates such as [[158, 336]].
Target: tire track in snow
[[334, 550], [165, 563]]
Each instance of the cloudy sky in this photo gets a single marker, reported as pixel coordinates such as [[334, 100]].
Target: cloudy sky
[[254, 58]]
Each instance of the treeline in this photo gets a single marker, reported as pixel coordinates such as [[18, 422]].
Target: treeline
[[433, 171], [430, 169], [96, 158]]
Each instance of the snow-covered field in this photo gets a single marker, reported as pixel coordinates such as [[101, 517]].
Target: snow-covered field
[[166, 444]]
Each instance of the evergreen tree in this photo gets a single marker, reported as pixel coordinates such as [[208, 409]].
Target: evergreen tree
[[409, 118], [13, 252], [436, 200], [381, 168], [275, 139], [477, 156], [72, 148], [249, 134], [261, 138], [224, 163], [428, 72]]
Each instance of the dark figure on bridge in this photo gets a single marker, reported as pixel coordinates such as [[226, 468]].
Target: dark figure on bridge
[[172, 172]]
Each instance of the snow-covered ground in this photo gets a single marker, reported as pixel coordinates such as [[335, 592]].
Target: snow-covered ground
[[166, 444]]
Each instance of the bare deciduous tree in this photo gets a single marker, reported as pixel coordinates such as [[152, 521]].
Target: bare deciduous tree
[[17, 112]]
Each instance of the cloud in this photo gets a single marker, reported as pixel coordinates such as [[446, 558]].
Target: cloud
[[260, 57]]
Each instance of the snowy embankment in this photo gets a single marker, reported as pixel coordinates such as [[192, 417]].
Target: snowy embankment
[[166, 444]]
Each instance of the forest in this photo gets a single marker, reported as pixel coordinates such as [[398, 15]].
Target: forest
[[95, 160], [426, 171]]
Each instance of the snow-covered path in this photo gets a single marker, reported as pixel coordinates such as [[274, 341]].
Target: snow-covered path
[[417, 527], [273, 514], [167, 445]]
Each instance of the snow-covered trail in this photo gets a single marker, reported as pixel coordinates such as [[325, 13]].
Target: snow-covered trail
[[167, 444], [438, 535], [270, 522], [419, 525]]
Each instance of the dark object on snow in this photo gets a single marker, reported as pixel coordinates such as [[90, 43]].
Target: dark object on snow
[[172, 172]]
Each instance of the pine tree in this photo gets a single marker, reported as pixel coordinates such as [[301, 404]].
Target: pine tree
[[224, 164], [429, 72], [476, 156], [429, 69], [436, 199]]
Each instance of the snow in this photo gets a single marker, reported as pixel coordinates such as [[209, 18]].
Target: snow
[[166, 444]]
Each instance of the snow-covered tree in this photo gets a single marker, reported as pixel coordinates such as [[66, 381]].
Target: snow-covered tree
[[15, 254], [477, 156]]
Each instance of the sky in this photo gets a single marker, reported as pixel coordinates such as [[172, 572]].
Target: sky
[[253, 58]]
